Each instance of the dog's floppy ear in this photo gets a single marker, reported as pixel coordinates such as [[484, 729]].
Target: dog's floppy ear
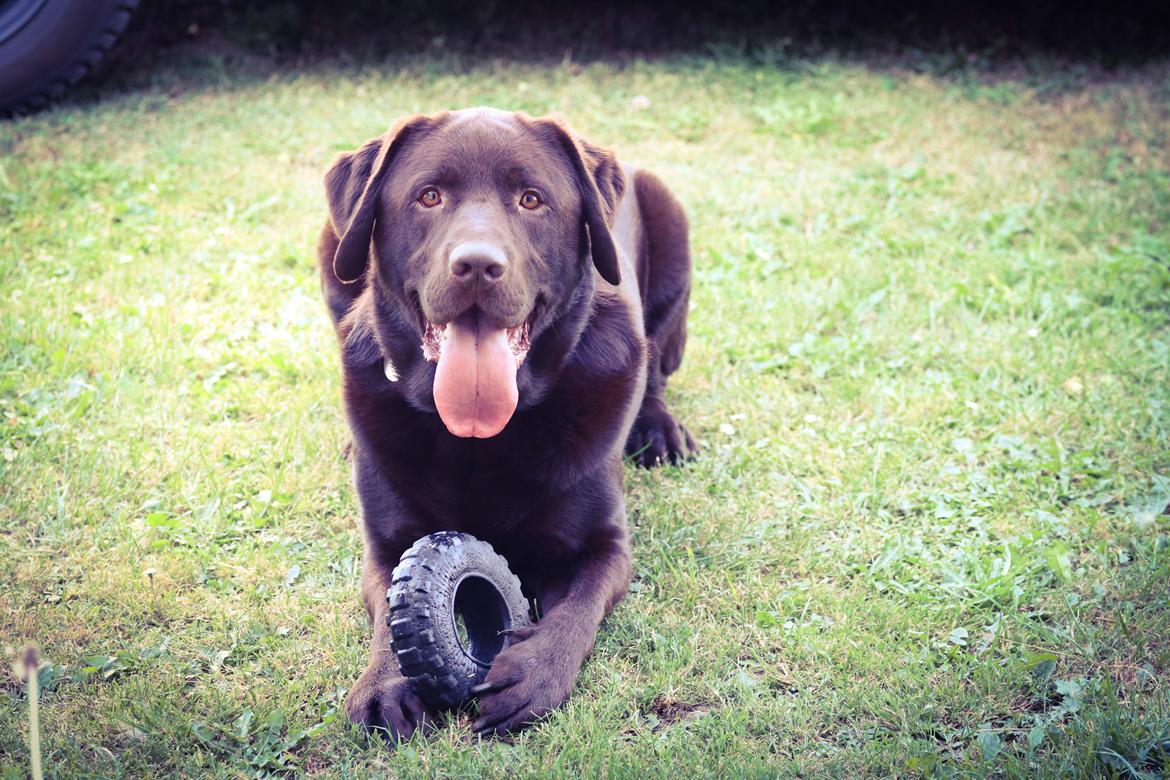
[[601, 183], [352, 186]]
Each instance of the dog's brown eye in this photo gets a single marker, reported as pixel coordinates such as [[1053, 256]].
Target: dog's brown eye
[[530, 200], [430, 197]]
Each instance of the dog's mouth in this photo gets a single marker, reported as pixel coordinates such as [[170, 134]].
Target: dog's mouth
[[475, 377], [434, 336]]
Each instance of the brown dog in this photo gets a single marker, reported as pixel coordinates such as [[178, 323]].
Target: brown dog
[[509, 303]]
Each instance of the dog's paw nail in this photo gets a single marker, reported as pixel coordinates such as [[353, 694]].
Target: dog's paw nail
[[487, 687]]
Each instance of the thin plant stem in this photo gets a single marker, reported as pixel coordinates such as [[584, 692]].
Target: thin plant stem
[[31, 669]]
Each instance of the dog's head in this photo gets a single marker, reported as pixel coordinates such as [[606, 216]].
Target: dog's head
[[479, 231]]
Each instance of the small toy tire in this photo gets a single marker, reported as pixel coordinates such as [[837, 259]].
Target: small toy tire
[[451, 599]]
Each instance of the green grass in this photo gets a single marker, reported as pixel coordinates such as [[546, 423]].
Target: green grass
[[929, 361]]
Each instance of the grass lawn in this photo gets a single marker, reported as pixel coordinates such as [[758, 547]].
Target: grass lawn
[[929, 364]]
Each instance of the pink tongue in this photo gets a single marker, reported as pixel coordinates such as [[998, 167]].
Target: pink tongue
[[475, 382]]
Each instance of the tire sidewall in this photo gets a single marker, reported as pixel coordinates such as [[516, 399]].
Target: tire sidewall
[[52, 41]]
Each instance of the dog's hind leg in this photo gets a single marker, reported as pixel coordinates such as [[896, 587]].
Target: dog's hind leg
[[664, 280]]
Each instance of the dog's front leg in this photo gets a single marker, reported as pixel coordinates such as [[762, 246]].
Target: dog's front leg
[[535, 673], [381, 699]]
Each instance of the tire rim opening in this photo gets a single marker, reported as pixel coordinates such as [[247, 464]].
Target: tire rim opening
[[480, 614]]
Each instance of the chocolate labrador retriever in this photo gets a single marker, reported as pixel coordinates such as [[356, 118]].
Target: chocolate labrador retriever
[[509, 302]]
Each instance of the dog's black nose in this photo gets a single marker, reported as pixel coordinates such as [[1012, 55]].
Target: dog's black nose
[[473, 261]]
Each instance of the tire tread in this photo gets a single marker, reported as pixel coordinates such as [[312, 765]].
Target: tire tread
[[411, 624]]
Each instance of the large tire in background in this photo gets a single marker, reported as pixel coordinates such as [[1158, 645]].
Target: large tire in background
[[47, 46], [451, 599]]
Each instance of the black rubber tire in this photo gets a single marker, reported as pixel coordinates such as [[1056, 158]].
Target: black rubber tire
[[443, 575], [47, 46]]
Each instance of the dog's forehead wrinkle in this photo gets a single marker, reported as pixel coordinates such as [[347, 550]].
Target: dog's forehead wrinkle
[[475, 130], [493, 142], [484, 115]]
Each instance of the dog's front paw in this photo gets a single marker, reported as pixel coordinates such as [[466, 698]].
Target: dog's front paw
[[527, 680], [384, 702], [657, 438]]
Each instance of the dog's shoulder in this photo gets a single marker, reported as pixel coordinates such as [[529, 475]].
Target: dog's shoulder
[[601, 388], [612, 343]]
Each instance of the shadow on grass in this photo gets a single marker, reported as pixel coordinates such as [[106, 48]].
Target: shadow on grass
[[1109, 32], [208, 44]]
